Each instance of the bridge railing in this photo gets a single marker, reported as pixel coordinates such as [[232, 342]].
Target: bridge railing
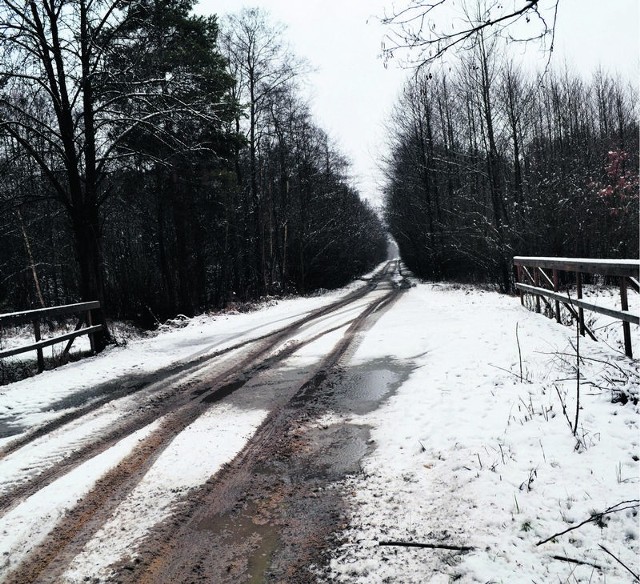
[[36, 317], [540, 277]]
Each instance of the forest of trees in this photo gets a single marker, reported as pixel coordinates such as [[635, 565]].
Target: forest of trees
[[164, 163], [488, 161]]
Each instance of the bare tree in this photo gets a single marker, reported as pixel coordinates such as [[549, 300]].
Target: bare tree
[[262, 65], [522, 165], [49, 57], [423, 31]]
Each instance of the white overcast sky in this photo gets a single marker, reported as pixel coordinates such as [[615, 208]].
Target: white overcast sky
[[352, 93]]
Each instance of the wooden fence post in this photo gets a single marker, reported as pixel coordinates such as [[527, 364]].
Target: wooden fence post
[[36, 331], [626, 327], [536, 281], [555, 289], [518, 270], [580, 310], [92, 341]]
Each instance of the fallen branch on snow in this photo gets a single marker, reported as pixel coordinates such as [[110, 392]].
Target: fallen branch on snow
[[632, 504], [433, 546], [579, 562], [621, 563]]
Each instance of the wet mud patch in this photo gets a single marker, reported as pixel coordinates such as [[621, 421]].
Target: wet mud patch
[[363, 388], [338, 450], [276, 512], [268, 517], [301, 500], [244, 529]]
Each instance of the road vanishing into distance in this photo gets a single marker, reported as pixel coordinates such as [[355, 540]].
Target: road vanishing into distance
[[267, 514]]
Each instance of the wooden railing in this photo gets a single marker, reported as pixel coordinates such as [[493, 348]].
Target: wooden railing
[[37, 316], [531, 278]]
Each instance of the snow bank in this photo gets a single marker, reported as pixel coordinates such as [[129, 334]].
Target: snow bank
[[469, 454]]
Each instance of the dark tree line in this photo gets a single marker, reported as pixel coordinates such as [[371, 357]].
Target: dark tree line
[[162, 165], [488, 162]]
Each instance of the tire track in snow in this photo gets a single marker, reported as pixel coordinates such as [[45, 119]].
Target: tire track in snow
[[95, 509], [172, 549], [159, 401]]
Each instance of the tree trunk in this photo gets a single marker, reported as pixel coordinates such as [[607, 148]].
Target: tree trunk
[[493, 170], [88, 242], [184, 262]]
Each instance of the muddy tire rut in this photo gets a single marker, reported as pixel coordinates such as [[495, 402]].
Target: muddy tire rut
[[266, 516], [272, 514]]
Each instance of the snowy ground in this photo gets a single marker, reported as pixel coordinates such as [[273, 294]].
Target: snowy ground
[[473, 449], [469, 455]]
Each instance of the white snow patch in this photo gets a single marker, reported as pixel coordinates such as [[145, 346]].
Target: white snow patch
[[467, 454]]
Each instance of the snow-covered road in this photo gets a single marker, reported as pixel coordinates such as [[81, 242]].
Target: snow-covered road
[[126, 453], [429, 420]]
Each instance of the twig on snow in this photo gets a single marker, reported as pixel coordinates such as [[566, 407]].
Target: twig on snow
[[564, 407], [574, 561], [509, 372], [621, 563], [631, 504], [433, 546]]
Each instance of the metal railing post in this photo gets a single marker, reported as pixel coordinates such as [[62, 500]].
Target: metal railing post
[[555, 289], [626, 327], [580, 309]]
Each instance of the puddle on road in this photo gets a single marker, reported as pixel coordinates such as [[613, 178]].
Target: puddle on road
[[336, 451], [9, 427], [259, 541], [363, 388]]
